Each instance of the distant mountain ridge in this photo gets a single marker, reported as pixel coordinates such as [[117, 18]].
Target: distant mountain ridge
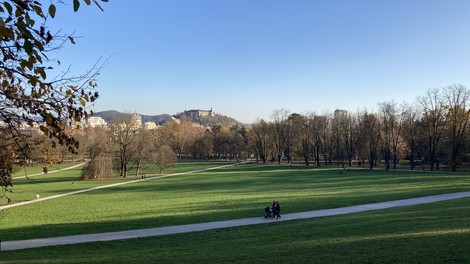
[[112, 115]]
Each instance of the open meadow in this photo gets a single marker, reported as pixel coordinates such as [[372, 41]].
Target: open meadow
[[438, 232]]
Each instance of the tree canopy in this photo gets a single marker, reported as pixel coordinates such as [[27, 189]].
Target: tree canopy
[[27, 93]]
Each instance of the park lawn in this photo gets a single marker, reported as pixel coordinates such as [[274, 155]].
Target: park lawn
[[25, 189], [429, 233], [38, 169], [230, 193], [181, 166], [185, 165]]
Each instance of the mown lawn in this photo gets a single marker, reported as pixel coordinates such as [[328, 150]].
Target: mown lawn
[[25, 188], [431, 233], [33, 170], [230, 193]]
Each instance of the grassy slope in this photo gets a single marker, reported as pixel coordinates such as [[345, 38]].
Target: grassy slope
[[25, 189], [230, 193], [25, 171], [432, 233]]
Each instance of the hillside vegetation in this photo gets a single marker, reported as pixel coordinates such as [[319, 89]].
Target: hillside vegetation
[[207, 121]]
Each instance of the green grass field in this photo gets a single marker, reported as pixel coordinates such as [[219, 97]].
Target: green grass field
[[438, 232], [25, 189], [32, 170]]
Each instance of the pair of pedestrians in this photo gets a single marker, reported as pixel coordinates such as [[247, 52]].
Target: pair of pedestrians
[[273, 211]]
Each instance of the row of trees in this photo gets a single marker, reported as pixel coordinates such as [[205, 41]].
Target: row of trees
[[126, 146], [431, 132], [130, 145], [434, 130]]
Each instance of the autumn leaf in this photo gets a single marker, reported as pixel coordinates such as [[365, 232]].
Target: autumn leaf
[[76, 5], [52, 10]]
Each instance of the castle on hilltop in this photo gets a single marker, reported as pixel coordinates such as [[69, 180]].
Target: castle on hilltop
[[198, 112]]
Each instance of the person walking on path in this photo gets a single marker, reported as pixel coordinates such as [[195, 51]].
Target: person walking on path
[[167, 230], [277, 209]]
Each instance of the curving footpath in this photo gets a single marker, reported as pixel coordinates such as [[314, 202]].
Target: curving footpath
[[106, 186], [53, 171], [160, 231]]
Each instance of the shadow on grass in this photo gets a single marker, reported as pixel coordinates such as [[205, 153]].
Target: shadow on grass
[[148, 219], [435, 233], [229, 193]]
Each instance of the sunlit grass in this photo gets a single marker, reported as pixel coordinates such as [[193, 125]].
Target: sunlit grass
[[230, 193], [25, 189], [38, 169], [430, 233]]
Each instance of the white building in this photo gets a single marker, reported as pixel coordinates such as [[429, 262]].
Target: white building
[[199, 112], [136, 121], [150, 125], [96, 121]]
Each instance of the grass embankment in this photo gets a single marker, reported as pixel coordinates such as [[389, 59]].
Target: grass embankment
[[243, 191]]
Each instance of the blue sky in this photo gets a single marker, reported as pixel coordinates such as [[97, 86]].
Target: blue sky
[[247, 58]]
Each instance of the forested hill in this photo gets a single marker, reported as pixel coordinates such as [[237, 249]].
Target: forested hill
[[112, 115], [208, 121]]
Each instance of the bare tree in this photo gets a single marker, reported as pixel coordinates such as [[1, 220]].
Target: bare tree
[[124, 134], [349, 126], [410, 131], [304, 132], [162, 157], [252, 149], [181, 134], [262, 139], [43, 150], [144, 147], [203, 146], [369, 128], [238, 139], [298, 140], [222, 142], [434, 120], [325, 137], [456, 98], [281, 132], [342, 128], [391, 123]]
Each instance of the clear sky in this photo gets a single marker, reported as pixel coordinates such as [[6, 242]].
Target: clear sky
[[247, 58]]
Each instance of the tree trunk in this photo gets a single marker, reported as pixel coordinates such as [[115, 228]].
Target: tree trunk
[[137, 171], [395, 158]]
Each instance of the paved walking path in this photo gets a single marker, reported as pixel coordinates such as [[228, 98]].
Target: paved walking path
[[53, 171], [160, 231], [107, 186]]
